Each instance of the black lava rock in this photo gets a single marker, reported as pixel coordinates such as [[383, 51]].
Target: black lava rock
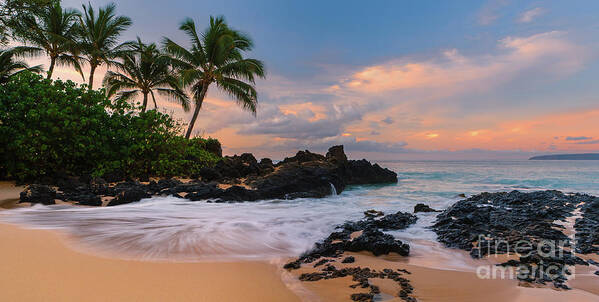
[[423, 208], [305, 175], [498, 223], [373, 213], [38, 194], [349, 259], [130, 195], [371, 239]]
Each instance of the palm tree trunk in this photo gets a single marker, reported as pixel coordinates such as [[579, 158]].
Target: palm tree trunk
[[91, 76], [51, 69], [196, 111], [145, 103], [154, 100]]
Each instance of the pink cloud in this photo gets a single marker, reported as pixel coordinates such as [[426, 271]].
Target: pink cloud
[[454, 72], [530, 15]]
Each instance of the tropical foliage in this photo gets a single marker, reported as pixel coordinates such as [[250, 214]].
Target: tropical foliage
[[13, 10], [52, 30], [144, 70], [216, 56], [50, 128], [10, 65], [100, 32]]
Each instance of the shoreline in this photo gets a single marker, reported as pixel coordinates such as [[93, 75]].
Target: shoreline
[[51, 260], [43, 258], [9, 194]]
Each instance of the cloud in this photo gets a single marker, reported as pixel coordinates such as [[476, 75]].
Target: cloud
[[578, 138], [388, 120], [530, 14], [593, 142], [548, 52], [292, 125]]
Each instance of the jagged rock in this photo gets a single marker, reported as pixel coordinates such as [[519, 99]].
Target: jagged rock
[[336, 155], [89, 200], [160, 185], [210, 174], [491, 223], [266, 162], [38, 194], [302, 157], [587, 227], [362, 172], [129, 195], [395, 221], [363, 276], [378, 243], [306, 175], [266, 166], [237, 166], [423, 208], [294, 180], [349, 259], [205, 192], [238, 193], [371, 239]]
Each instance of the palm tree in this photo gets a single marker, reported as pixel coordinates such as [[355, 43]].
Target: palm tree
[[10, 66], [99, 36], [216, 57], [52, 30], [144, 70]]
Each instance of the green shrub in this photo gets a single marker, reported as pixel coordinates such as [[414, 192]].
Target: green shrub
[[50, 128]]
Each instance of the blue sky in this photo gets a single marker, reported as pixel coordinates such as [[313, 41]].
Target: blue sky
[[496, 78]]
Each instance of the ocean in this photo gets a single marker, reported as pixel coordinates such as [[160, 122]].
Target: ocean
[[172, 229]]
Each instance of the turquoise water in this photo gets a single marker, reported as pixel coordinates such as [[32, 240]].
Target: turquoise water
[[167, 228]]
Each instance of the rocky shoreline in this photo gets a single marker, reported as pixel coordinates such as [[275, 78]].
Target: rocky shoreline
[[527, 225], [360, 236], [487, 224], [233, 179]]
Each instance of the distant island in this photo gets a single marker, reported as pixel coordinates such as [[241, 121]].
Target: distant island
[[581, 156]]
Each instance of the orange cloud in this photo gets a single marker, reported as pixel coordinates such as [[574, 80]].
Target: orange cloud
[[318, 112], [454, 72]]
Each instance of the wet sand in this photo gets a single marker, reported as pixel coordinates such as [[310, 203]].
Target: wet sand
[[35, 265], [436, 285], [9, 194]]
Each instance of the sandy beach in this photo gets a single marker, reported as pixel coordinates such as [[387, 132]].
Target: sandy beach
[[9, 194], [41, 258], [35, 265], [445, 285], [44, 258]]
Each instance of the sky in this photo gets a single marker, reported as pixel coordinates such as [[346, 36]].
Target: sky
[[400, 80]]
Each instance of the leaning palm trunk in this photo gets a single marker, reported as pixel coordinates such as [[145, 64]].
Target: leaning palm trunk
[[216, 57], [91, 76], [51, 69], [145, 103], [196, 111]]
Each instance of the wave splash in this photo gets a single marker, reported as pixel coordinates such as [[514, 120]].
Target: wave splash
[[166, 228]]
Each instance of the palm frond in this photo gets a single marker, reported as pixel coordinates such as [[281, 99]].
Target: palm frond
[[245, 94], [245, 69]]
